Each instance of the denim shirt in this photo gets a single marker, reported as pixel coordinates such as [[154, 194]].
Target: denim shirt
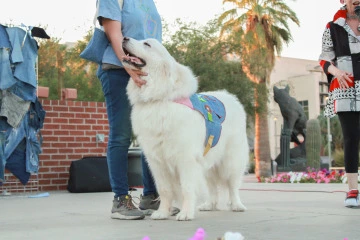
[[13, 138], [23, 54], [4, 38], [139, 20], [6, 75]]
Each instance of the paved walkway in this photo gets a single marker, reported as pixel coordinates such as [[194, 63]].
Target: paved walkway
[[275, 212]]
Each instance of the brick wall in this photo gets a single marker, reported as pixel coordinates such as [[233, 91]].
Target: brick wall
[[69, 133]]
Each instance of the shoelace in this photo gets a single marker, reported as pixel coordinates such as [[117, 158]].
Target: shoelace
[[156, 199], [137, 198], [128, 202]]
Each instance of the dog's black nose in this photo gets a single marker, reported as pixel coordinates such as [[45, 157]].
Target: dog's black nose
[[126, 39]]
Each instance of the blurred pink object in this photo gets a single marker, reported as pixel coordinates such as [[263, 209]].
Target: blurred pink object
[[199, 235], [146, 238]]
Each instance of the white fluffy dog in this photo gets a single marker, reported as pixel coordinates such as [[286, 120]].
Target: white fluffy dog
[[173, 136]]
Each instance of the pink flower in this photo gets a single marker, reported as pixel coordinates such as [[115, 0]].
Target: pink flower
[[310, 176]]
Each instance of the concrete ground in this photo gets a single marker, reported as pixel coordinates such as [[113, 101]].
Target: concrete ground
[[275, 212]]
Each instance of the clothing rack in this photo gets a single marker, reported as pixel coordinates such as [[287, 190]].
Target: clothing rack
[[11, 183]]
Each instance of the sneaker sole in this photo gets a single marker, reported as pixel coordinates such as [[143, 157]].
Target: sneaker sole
[[117, 215], [351, 203], [148, 212], [352, 206]]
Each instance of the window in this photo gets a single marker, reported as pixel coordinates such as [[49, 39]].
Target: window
[[323, 88], [305, 106]]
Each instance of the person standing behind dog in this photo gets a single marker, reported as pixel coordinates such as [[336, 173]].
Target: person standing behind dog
[[138, 19], [340, 61]]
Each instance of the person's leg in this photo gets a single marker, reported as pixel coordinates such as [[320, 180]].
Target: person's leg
[[148, 180], [149, 201], [114, 84], [350, 124]]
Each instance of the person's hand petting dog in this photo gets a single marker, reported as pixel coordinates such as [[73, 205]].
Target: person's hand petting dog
[[134, 74]]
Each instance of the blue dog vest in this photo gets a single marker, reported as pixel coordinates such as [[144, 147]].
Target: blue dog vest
[[214, 113]]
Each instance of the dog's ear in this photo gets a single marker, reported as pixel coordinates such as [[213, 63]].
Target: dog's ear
[[167, 69], [185, 82]]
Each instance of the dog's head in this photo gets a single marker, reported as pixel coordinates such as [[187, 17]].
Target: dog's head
[[166, 79]]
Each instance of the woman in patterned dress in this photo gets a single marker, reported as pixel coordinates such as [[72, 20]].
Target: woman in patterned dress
[[340, 60]]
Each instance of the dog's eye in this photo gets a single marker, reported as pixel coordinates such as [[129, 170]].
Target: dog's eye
[[147, 44]]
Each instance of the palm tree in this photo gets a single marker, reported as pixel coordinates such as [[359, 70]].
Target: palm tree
[[261, 28]]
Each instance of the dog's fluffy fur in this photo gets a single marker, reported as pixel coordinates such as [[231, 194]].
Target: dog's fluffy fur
[[172, 135]]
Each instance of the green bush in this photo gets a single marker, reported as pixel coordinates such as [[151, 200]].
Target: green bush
[[338, 157], [313, 143], [251, 162]]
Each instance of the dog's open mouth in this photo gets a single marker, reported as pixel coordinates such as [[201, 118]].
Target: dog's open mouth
[[133, 60]]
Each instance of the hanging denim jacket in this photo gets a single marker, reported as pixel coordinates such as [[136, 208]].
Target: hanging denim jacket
[[24, 90], [37, 115], [6, 74], [33, 149], [2, 158], [23, 54], [4, 38], [19, 151]]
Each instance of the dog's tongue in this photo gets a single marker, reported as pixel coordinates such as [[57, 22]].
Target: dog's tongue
[[135, 60]]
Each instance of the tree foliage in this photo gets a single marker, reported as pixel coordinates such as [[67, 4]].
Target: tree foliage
[[261, 28], [60, 66], [198, 47], [201, 48]]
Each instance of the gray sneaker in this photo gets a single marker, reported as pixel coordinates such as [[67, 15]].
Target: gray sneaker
[[150, 203], [123, 208]]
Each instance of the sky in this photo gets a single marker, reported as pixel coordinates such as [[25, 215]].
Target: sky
[[69, 20]]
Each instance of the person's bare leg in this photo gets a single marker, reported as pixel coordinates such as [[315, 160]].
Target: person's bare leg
[[352, 180]]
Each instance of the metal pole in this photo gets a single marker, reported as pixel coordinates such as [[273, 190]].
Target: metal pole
[[276, 140]]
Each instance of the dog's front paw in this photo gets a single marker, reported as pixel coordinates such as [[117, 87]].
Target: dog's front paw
[[207, 206], [184, 216], [159, 215], [238, 207]]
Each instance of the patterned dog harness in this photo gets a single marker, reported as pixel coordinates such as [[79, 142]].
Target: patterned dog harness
[[214, 113]]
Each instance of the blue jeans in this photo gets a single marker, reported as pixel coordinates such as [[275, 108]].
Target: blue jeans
[[2, 159], [114, 82]]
